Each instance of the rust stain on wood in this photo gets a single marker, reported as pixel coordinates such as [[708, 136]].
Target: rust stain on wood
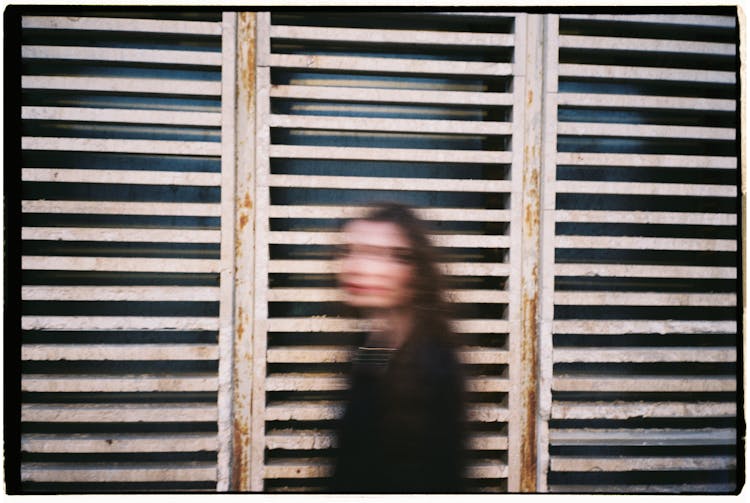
[[528, 363], [240, 468]]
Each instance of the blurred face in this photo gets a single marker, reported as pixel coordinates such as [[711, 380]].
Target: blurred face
[[375, 265]]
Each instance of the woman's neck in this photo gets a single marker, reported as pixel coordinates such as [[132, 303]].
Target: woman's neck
[[390, 328]]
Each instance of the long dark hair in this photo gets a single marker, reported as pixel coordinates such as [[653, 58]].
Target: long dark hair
[[430, 309]]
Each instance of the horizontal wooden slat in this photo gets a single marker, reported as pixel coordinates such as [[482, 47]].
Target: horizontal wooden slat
[[645, 384], [645, 271], [121, 176], [636, 489], [646, 160], [108, 293], [645, 131], [119, 115], [122, 208], [122, 24], [299, 439], [643, 437], [120, 442], [333, 382], [392, 125], [645, 243], [486, 384], [198, 148], [110, 234], [390, 65], [637, 102], [410, 37], [304, 411], [377, 95], [136, 352], [643, 355], [297, 469], [646, 217], [111, 54], [310, 354], [625, 464], [118, 264], [438, 214], [487, 413], [662, 18], [336, 295], [323, 324], [625, 410], [390, 154], [646, 73], [50, 383], [578, 298], [332, 238], [118, 323], [486, 469], [119, 412], [118, 472], [382, 183], [646, 189], [123, 85], [333, 266], [606, 327], [646, 45]]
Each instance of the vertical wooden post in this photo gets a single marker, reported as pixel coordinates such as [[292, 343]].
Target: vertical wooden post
[[244, 250], [226, 315], [547, 242], [533, 94]]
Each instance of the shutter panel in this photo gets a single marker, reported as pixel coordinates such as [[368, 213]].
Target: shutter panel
[[363, 106], [122, 249], [643, 322]]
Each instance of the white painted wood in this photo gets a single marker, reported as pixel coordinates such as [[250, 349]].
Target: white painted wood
[[110, 54], [120, 115], [605, 327], [121, 208], [111, 234], [121, 176], [335, 295], [627, 410], [390, 65], [301, 468], [439, 214], [111, 293], [303, 411], [645, 243], [638, 101], [487, 469], [123, 85], [121, 24], [646, 73], [647, 160], [646, 45], [645, 271], [324, 324], [378, 183], [118, 264], [645, 384], [119, 412], [306, 382], [645, 131], [141, 472], [225, 353], [638, 489], [118, 323], [563, 298], [49, 383], [197, 148], [103, 352], [393, 125], [643, 355], [643, 437], [119, 442], [646, 217], [646, 189], [380, 36], [378, 95], [447, 240], [576, 464], [333, 267], [680, 19], [308, 354], [390, 154]]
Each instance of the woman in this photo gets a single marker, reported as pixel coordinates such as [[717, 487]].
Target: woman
[[403, 429]]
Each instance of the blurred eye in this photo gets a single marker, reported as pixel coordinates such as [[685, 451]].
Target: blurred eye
[[403, 255], [341, 251]]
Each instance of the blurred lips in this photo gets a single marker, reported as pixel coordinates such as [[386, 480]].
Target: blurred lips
[[360, 288]]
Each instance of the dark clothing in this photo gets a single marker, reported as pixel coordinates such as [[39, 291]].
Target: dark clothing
[[403, 429]]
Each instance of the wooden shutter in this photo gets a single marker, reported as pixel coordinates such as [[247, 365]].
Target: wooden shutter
[[123, 252], [357, 107], [642, 190]]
